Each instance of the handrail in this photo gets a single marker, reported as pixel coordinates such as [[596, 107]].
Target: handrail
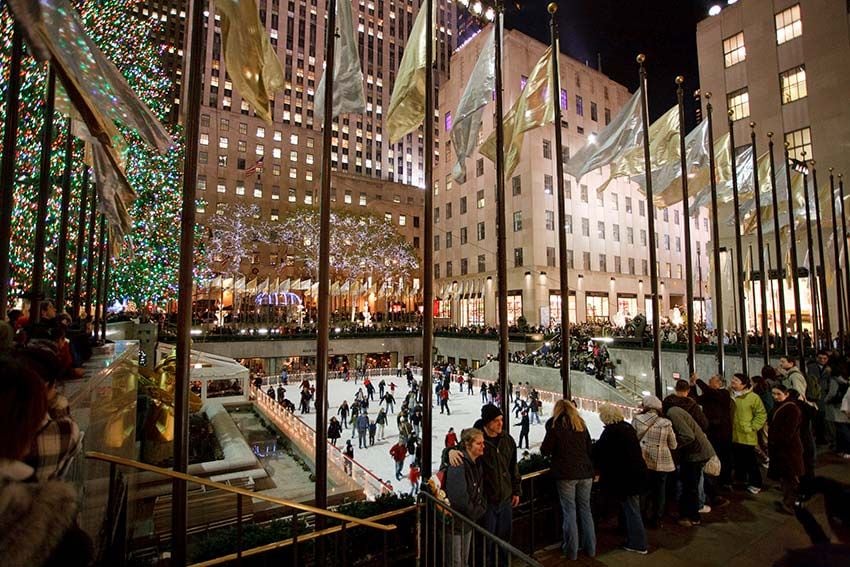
[[301, 539], [235, 490], [535, 474], [476, 528]]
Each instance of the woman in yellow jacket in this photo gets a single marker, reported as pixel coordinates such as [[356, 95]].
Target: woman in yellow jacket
[[750, 417]]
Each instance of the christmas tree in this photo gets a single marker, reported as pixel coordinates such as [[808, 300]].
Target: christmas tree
[[146, 269]]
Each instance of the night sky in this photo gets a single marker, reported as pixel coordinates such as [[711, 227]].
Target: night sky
[[665, 30]]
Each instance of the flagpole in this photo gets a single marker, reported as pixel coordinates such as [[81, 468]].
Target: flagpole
[[836, 263], [501, 229], [562, 208], [65, 205], [428, 252], [81, 239], [322, 338], [820, 274], [765, 274], [44, 189], [686, 212], [7, 164], [717, 298], [795, 266], [739, 253], [844, 243], [650, 219], [778, 243], [772, 295], [810, 249], [179, 510]]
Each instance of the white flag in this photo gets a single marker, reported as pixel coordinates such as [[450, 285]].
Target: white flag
[[478, 92], [348, 76]]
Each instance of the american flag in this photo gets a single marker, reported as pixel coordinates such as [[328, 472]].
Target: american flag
[[258, 166]]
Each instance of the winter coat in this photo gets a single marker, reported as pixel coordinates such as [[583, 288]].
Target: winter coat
[[334, 430], [693, 445], [617, 456], [465, 487], [501, 474], [689, 405], [784, 445], [398, 452], [831, 403], [794, 379], [38, 522], [570, 450], [657, 441], [362, 423], [718, 407], [750, 417]]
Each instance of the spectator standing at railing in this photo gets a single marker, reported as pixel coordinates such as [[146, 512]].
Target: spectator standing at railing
[[281, 394], [271, 393], [348, 454], [622, 473], [568, 443], [657, 441], [465, 491], [501, 476]]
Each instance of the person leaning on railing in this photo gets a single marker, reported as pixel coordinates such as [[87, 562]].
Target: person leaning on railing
[[465, 491], [38, 520]]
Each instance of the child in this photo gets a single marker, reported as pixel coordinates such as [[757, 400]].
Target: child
[[413, 475]]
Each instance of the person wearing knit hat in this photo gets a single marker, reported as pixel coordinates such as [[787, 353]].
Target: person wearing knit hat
[[489, 412], [657, 443], [651, 402], [500, 474]]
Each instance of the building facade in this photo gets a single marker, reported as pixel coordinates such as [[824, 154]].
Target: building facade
[[606, 231], [782, 64]]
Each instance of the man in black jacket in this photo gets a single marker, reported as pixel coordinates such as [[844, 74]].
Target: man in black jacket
[[718, 406], [679, 398]]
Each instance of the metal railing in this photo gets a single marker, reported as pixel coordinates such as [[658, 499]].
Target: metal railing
[[345, 472], [451, 538], [586, 404], [294, 379], [116, 518]]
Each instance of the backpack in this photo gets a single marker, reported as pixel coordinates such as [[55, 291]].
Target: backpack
[[813, 392]]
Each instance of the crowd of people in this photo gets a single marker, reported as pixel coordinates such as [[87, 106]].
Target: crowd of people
[[678, 459], [38, 507]]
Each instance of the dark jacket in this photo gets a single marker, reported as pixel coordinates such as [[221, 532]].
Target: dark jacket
[[569, 450], [717, 405], [694, 446], [465, 488], [501, 474], [617, 455], [784, 444], [689, 405]]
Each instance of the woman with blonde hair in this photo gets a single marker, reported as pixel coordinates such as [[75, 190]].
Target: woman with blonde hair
[[567, 442]]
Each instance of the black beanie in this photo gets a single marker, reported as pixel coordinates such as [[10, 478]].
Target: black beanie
[[489, 412]]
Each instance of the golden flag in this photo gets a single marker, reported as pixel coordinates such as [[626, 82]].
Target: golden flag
[[249, 58], [531, 110], [663, 151], [407, 104]]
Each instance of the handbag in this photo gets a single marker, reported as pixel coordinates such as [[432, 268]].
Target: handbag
[[712, 467]]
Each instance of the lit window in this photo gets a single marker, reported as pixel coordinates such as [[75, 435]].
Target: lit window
[[261, 149], [734, 50], [222, 142], [292, 195], [261, 132], [402, 220], [293, 173], [788, 24], [362, 199], [799, 141], [240, 188], [293, 139], [204, 139], [793, 83], [739, 103], [222, 188], [258, 191], [480, 199], [347, 196]]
